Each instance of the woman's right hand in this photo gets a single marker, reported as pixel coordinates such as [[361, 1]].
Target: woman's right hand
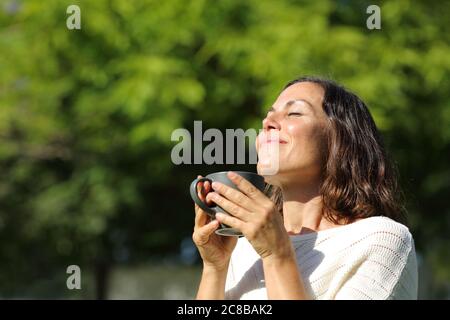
[[214, 249]]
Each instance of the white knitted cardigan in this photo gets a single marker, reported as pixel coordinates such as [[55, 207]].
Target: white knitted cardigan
[[373, 258]]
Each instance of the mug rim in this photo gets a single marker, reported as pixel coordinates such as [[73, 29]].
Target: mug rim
[[246, 172]]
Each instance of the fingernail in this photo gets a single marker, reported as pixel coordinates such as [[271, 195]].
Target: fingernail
[[219, 215], [231, 174]]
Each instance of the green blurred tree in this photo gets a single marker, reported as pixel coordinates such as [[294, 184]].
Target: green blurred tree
[[86, 115]]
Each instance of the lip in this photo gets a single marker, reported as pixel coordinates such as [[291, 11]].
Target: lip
[[268, 137], [280, 141], [275, 141]]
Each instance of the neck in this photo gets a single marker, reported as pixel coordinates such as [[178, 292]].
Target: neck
[[303, 209]]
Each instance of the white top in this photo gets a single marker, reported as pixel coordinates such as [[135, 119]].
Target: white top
[[373, 258]]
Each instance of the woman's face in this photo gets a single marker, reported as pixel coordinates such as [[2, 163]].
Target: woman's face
[[297, 118]]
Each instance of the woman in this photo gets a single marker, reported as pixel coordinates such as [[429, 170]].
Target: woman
[[330, 227]]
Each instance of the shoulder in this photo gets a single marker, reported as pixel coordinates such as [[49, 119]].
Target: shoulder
[[385, 242], [375, 237], [381, 258], [383, 229]]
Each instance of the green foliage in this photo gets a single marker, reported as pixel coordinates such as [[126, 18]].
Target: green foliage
[[86, 115]]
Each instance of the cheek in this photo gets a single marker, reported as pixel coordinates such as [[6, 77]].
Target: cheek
[[307, 138], [294, 130], [300, 133]]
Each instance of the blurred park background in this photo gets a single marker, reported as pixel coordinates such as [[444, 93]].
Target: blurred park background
[[86, 117]]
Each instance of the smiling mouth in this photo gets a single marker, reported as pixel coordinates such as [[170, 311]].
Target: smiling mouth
[[274, 141]]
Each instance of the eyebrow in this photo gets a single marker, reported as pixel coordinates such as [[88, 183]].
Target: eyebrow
[[291, 102]]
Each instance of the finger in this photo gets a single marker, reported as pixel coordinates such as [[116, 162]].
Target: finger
[[229, 206], [246, 187], [201, 217], [201, 236], [234, 195], [203, 188], [199, 187], [230, 221], [206, 189]]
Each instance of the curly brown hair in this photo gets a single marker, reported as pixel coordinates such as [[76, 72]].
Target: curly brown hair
[[358, 178]]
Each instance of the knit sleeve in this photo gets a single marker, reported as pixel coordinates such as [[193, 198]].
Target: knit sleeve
[[386, 269]]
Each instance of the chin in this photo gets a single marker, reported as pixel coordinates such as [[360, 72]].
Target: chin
[[283, 175], [272, 179]]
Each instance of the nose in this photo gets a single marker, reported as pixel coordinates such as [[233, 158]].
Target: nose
[[270, 122]]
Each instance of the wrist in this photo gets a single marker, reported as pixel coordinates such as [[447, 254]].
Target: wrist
[[214, 269], [212, 283], [280, 257]]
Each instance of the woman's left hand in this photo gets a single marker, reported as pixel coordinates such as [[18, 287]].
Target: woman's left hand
[[254, 214]]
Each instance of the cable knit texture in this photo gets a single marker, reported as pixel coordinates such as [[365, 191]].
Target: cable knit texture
[[373, 258]]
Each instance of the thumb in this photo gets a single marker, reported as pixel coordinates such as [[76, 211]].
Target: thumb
[[205, 232]]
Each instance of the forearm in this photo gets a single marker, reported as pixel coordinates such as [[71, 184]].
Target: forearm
[[212, 284], [283, 279]]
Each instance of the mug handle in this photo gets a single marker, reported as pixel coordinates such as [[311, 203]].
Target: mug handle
[[194, 196]]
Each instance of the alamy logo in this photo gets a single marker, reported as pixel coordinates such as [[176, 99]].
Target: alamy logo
[[74, 20], [265, 153], [74, 280], [374, 20]]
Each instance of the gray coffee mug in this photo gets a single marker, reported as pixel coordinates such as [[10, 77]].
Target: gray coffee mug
[[224, 230]]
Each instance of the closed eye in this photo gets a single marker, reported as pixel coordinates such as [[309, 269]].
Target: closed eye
[[294, 114]]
